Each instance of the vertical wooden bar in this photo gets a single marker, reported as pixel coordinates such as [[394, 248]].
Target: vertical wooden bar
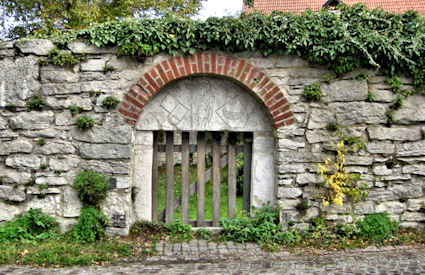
[[247, 157], [185, 178], [200, 188], [216, 179], [169, 208], [155, 178], [231, 175]]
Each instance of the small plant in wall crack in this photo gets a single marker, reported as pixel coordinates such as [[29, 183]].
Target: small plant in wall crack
[[84, 123], [423, 133], [36, 103], [110, 102], [338, 183], [74, 109], [332, 127], [312, 92], [41, 141]]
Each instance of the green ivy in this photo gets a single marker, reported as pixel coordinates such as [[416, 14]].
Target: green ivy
[[312, 92], [353, 38]]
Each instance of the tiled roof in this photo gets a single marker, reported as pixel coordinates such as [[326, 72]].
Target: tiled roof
[[298, 6]]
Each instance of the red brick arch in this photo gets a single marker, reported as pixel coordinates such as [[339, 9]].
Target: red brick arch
[[207, 63]]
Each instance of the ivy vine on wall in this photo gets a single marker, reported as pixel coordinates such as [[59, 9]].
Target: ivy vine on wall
[[352, 38]]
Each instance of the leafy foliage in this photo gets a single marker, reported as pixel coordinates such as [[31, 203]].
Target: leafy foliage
[[312, 92], [90, 227], [179, 230], [61, 58], [35, 103], [74, 109], [262, 227], [110, 102], [338, 183], [30, 226], [85, 122], [354, 38], [91, 187], [377, 227], [51, 16]]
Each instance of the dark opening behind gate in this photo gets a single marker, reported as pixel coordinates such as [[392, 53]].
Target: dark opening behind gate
[[218, 156]]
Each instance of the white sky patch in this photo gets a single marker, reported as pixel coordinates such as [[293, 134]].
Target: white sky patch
[[220, 8]]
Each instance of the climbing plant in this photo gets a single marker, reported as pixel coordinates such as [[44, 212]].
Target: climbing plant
[[353, 38]]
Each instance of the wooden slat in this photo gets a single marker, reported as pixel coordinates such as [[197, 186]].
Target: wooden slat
[[194, 148], [169, 210], [155, 178], [200, 196], [216, 179], [231, 176], [185, 178], [192, 186], [247, 138]]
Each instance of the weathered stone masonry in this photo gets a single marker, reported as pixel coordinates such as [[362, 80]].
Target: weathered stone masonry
[[393, 166]]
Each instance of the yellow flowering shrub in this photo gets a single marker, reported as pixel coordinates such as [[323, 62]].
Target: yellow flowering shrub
[[338, 183]]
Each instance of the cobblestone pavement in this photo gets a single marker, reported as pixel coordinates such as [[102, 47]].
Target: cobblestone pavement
[[201, 257]]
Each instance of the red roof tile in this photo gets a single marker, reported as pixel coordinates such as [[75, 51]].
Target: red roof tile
[[298, 6]]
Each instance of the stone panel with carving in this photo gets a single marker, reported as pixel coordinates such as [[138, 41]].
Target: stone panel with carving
[[204, 104]]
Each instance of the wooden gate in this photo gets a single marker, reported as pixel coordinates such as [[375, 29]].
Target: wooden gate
[[223, 148]]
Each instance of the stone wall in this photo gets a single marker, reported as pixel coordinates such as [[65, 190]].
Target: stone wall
[[393, 166]]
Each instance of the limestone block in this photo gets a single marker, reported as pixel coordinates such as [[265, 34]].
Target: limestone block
[[288, 204], [349, 113], [412, 225], [411, 149], [358, 160], [50, 205], [35, 46], [381, 95], [104, 151], [12, 193], [263, 175], [380, 147], [108, 167], [64, 119], [3, 123], [55, 74], [316, 136], [413, 216], [45, 133], [51, 148], [413, 110], [381, 194], [345, 90], [296, 157], [337, 209], [93, 65], [51, 180], [403, 191], [36, 190], [84, 103], [416, 169], [23, 161], [16, 146], [82, 48], [8, 134], [288, 144], [311, 213], [18, 80], [99, 134], [63, 163], [71, 203], [122, 63], [319, 118], [289, 192], [14, 176], [7, 44], [60, 89], [8, 212], [394, 133], [284, 182], [307, 178], [92, 76], [391, 207], [116, 208], [382, 170], [32, 120], [364, 207], [416, 204]]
